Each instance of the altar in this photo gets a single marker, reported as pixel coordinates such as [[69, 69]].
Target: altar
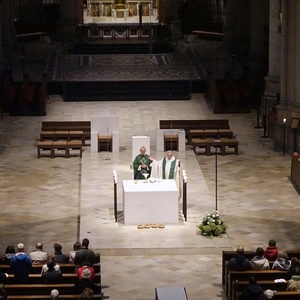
[[149, 202]]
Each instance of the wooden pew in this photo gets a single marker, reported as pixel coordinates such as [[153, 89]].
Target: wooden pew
[[68, 278], [43, 289], [54, 146], [228, 254], [187, 125], [84, 126], [40, 297], [244, 275], [37, 268], [240, 285]]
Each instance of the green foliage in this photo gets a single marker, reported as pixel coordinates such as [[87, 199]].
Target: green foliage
[[212, 224]]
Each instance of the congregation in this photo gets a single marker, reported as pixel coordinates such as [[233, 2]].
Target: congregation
[[270, 258], [21, 264]]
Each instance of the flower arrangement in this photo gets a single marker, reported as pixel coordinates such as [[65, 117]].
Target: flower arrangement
[[212, 224]]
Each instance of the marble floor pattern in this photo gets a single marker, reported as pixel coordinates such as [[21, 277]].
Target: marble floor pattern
[[65, 200]]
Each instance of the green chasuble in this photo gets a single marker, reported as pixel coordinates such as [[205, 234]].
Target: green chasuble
[[138, 171], [172, 169]]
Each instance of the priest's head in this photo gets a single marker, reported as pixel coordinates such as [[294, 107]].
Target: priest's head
[[169, 154], [143, 150]]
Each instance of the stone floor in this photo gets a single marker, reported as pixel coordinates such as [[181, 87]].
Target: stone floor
[[65, 200]]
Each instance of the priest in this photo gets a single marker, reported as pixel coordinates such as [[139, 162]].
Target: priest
[[142, 164], [167, 168]]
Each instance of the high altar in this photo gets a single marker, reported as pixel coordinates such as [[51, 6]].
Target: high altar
[[120, 11]]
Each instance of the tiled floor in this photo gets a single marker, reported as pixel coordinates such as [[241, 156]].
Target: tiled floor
[[65, 200]]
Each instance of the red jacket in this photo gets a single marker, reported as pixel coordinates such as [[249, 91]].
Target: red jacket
[[271, 253], [80, 270]]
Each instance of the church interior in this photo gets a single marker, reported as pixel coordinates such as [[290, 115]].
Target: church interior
[[143, 62]]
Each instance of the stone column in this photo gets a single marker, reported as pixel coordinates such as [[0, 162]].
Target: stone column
[[70, 15], [289, 106], [168, 14], [272, 80], [1, 42], [237, 28], [259, 35], [7, 30]]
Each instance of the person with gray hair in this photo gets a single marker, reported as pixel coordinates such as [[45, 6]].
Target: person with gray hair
[[38, 256], [20, 265], [54, 294], [268, 294]]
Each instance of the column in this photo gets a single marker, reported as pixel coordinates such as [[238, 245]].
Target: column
[[237, 28], [289, 106], [272, 80], [70, 15], [168, 14], [1, 42], [7, 30], [259, 35]]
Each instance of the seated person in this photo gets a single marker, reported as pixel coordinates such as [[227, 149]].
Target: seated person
[[253, 291], [84, 282], [59, 256], [268, 294], [82, 269], [9, 253], [294, 282], [282, 262], [87, 293], [239, 262], [259, 262], [3, 295], [291, 271], [76, 247], [38, 255], [271, 252], [52, 276]]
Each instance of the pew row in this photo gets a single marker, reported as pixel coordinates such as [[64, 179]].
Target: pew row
[[84, 126], [234, 276], [240, 285], [188, 125], [228, 254], [52, 148]]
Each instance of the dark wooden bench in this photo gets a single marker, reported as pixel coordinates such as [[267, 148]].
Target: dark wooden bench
[[68, 278], [40, 297], [228, 254], [188, 125], [234, 276], [208, 34], [66, 135], [84, 126], [53, 146], [240, 285], [43, 289], [37, 268]]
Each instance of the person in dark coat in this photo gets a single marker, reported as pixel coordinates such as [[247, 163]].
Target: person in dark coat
[[60, 258], [253, 291], [239, 262], [52, 276], [84, 255]]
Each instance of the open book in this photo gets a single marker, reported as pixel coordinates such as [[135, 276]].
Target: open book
[[279, 280]]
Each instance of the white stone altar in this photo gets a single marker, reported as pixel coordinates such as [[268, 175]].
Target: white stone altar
[[150, 202]]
